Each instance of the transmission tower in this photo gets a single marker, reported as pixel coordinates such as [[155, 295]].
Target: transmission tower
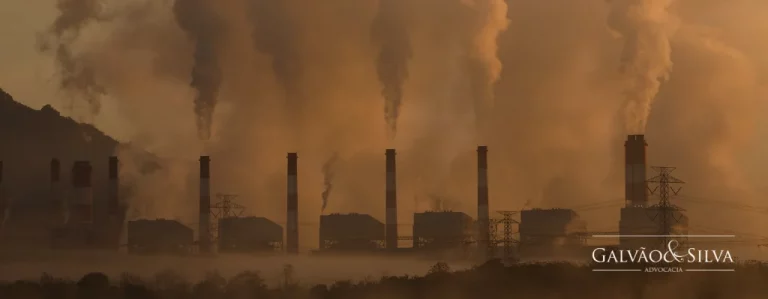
[[225, 207], [665, 210], [492, 242], [507, 240]]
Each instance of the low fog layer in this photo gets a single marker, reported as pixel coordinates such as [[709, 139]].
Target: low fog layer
[[314, 270]]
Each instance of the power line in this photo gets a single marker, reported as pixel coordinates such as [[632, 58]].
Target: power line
[[693, 199]]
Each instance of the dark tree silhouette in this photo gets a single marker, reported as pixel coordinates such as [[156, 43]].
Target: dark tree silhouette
[[490, 280]]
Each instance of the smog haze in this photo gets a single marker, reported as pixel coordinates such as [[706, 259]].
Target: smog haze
[[551, 87]]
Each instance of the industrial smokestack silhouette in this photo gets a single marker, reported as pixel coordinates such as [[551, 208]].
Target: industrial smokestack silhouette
[[114, 186], [57, 202], [204, 229], [81, 204], [292, 231], [636, 191], [483, 216], [391, 200]]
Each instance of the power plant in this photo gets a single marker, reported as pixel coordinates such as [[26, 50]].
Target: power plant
[[351, 233], [443, 233], [75, 223], [159, 236], [73, 219], [249, 235], [551, 233]]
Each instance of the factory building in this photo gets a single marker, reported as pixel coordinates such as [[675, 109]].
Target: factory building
[[249, 235], [551, 233], [74, 221], [351, 232], [160, 236], [639, 217], [77, 230], [443, 231]]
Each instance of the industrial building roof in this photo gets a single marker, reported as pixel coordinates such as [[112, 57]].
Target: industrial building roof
[[350, 226]]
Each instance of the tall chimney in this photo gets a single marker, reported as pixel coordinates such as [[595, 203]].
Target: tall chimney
[[204, 228], [635, 171], [483, 215], [114, 188], [57, 203], [81, 203], [292, 231], [391, 200]]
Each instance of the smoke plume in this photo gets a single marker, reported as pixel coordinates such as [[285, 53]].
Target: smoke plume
[[553, 115], [390, 31], [77, 77], [276, 35], [328, 174], [199, 20], [484, 64], [646, 27]]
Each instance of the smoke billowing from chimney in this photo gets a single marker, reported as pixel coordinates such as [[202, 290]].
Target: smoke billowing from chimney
[[276, 34], [77, 78], [391, 200], [292, 244], [199, 20], [390, 32], [204, 228], [484, 63], [557, 97], [328, 174], [646, 61]]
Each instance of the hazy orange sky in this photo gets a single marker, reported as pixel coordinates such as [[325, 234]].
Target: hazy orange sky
[[557, 99]]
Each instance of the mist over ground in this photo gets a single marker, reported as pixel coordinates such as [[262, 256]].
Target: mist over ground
[[566, 81], [310, 270]]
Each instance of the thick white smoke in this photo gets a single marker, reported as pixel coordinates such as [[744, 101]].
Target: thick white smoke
[[490, 20], [646, 27], [550, 125]]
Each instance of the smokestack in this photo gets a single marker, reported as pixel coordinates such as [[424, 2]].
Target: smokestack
[[204, 229], [391, 200], [57, 206], [483, 214], [634, 185], [81, 203], [292, 238], [114, 186]]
